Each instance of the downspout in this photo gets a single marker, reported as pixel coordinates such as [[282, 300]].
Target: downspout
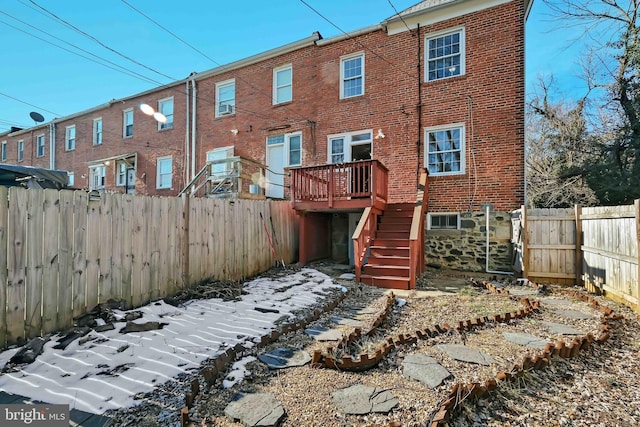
[[194, 120], [419, 102], [486, 269], [185, 173], [52, 145]]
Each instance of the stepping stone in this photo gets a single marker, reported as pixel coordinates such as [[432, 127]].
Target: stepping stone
[[556, 302], [360, 399], [362, 310], [324, 334], [562, 329], [424, 369], [573, 314], [523, 292], [526, 340], [463, 353], [285, 358], [347, 321], [259, 409], [349, 276]]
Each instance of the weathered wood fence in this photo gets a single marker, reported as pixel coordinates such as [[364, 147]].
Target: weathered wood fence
[[596, 247], [63, 252]]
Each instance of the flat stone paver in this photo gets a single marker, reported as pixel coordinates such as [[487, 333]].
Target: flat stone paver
[[280, 358], [360, 399], [524, 339], [347, 321], [463, 353], [562, 329], [523, 292], [348, 276], [573, 314], [555, 302], [253, 410], [324, 334], [425, 369]]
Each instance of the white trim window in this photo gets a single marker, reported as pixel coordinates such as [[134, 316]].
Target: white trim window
[[3, 155], [127, 123], [40, 145], [445, 54], [282, 84], [20, 150], [71, 179], [165, 107], [445, 149], [70, 138], [97, 131], [352, 146], [97, 177], [164, 171], [220, 170], [352, 75], [443, 221], [292, 147], [121, 174], [226, 98]]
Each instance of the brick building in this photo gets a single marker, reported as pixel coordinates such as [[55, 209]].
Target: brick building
[[438, 88]]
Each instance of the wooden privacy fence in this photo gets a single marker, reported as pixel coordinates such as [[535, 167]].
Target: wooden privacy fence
[[63, 252], [596, 247]]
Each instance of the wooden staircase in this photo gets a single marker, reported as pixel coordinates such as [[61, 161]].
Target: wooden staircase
[[389, 263]]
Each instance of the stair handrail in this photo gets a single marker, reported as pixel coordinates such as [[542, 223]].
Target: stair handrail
[[363, 236], [416, 236]]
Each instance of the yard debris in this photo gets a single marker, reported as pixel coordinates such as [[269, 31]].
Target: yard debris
[[142, 327], [71, 336], [27, 353]]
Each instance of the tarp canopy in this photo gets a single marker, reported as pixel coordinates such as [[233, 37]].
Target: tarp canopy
[[30, 177]]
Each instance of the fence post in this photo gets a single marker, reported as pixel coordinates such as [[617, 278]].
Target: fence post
[[184, 250], [4, 216], [578, 215], [637, 215], [525, 243]]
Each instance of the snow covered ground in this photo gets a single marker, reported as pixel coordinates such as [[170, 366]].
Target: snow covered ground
[[110, 368]]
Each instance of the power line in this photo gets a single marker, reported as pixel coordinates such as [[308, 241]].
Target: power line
[[399, 16], [78, 30], [27, 103]]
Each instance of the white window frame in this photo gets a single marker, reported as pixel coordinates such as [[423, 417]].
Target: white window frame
[[70, 138], [71, 179], [430, 217], [40, 145], [21, 150], [125, 114], [97, 131], [3, 153], [286, 142], [231, 102], [220, 170], [97, 177], [463, 145], [428, 59], [160, 160], [347, 143], [276, 87], [168, 124], [121, 174], [343, 79]]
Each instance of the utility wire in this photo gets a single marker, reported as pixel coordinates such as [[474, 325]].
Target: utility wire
[[101, 43], [29, 104], [399, 16]]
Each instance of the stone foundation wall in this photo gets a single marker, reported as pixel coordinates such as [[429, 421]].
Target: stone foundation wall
[[465, 249]]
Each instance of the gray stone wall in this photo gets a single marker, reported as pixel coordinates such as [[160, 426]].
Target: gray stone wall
[[465, 249]]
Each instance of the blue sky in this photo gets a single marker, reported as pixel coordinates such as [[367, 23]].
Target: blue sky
[[58, 83]]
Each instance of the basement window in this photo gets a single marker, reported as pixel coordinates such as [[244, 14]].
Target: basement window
[[445, 221]]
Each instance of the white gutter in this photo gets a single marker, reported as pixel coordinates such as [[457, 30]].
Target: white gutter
[[486, 269], [365, 30], [52, 145], [194, 116]]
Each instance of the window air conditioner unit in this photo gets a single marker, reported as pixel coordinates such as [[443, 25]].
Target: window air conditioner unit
[[226, 109]]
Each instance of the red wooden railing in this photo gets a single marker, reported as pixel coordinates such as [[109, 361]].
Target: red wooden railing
[[416, 237], [363, 236], [339, 185]]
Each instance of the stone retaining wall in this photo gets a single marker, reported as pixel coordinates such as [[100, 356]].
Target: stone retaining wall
[[465, 249]]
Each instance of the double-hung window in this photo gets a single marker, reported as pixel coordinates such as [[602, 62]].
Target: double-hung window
[[352, 75], [165, 107], [40, 145], [97, 177], [3, 154], [70, 138], [127, 123], [445, 54], [97, 131], [225, 98], [121, 174], [292, 143], [20, 150], [444, 149], [282, 84], [164, 172]]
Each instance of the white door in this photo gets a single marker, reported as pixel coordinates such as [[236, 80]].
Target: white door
[[275, 171], [131, 181]]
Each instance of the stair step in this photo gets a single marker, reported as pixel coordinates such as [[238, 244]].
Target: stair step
[[388, 260], [385, 282], [397, 214], [395, 220], [389, 235], [383, 251], [394, 226], [391, 243], [387, 270]]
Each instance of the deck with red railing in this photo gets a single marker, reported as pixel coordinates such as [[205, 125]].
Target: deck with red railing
[[344, 186]]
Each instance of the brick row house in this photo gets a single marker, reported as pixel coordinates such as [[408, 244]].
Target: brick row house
[[409, 132]]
